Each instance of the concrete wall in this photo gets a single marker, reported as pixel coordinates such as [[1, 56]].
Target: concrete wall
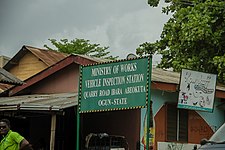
[[201, 124]]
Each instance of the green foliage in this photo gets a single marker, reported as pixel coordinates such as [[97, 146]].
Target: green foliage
[[193, 38], [153, 3], [80, 46]]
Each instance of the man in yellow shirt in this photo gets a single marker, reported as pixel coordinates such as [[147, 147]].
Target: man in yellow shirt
[[10, 140]]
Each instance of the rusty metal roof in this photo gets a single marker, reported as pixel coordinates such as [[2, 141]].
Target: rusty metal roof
[[95, 59], [49, 57], [39, 102], [8, 78], [165, 76]]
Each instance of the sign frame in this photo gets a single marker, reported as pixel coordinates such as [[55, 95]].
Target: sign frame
[[148, 101], [197, 90], [115, 85]]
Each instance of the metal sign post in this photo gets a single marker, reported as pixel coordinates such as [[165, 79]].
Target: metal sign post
[[78, 113], [149, 108], [78, 129]]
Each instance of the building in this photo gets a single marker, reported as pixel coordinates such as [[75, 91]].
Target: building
[[47, 104]]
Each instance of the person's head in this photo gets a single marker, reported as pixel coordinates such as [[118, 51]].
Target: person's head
[[4, 126]]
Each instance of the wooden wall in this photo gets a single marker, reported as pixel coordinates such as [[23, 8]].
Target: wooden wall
[[28, 66]]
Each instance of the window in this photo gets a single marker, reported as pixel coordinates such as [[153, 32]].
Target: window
[[177, 123]]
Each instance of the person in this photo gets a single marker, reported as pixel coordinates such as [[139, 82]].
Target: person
[[10, 140], [27, 147]]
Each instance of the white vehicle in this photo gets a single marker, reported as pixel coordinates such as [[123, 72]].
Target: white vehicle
[[217, 141]]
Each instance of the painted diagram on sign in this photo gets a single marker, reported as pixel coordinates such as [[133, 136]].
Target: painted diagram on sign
[[197, 90]]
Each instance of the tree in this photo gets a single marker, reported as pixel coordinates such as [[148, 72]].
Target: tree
[[80, 46], [193, 38]]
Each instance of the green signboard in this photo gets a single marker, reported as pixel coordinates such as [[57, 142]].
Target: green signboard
[[115, 85]]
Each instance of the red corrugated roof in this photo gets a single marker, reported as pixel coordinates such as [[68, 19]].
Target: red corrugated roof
[[49, 57], [51, 70]]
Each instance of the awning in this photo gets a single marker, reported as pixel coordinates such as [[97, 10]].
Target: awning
[[39, 102]]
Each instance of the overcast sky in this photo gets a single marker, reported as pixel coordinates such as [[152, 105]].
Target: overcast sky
[[120, 24]]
